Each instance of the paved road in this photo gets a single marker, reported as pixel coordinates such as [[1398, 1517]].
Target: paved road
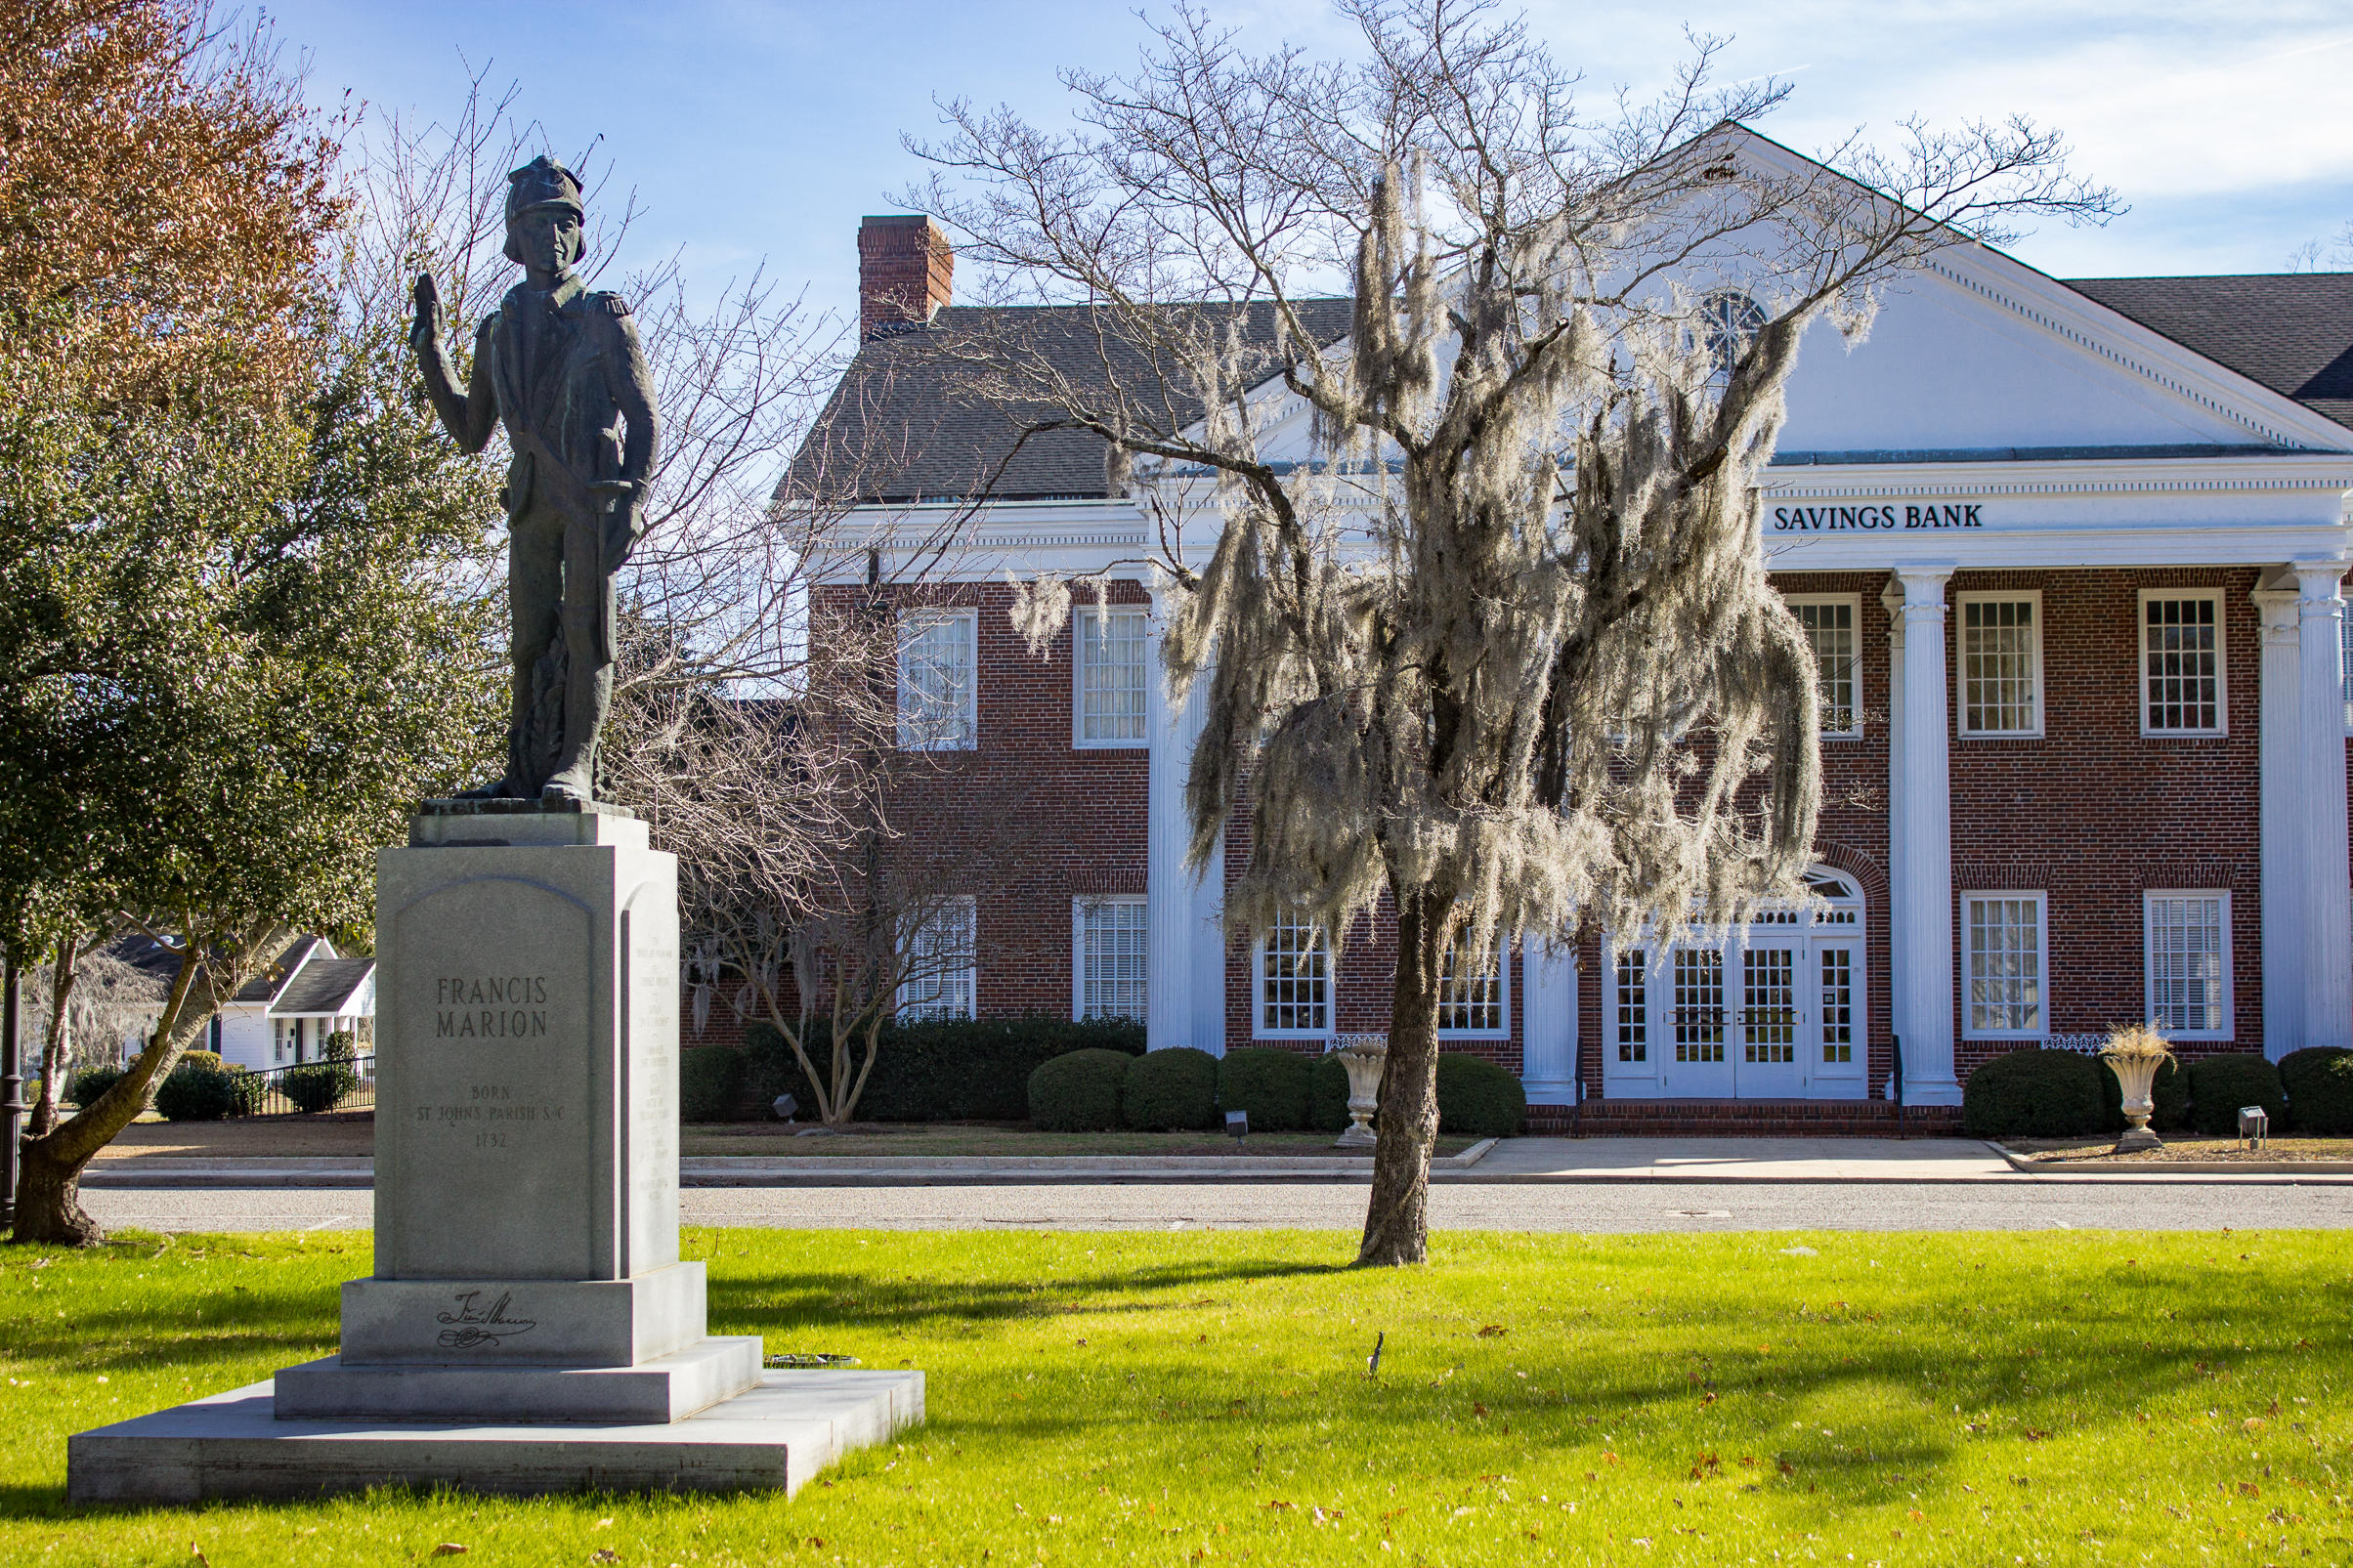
[[2027, 1204]]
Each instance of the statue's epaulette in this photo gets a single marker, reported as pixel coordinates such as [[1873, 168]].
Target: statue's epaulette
[[611, 304]]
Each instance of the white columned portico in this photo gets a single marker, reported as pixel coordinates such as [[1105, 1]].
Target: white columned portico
[[2280, 811], [1174, 896], [1923, 905], [2327, 1001], [1547, 1020]]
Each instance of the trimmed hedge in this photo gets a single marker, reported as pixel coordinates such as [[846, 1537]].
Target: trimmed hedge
[[1078, 1091], [1271, 1085], [710, 1082], [2220, 1084], [1328, 1095], [1170, 1090], [317, 1086], [85, 1087], [2037, 1093], [1478, 1098], [2318, 1080], [942, 1069], [2170, 1094], [193, 1092]]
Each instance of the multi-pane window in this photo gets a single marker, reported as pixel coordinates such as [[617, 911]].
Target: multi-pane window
[[2003, 935], [1838, 1005], [1111, 948], [1112, 651], [2181, 663], [1295, 980], [939, 964], [1471, 991], [1699, 1004], [937, 699], [2189, 962], [2344, 665], [1768, 1004], [1829, 625], [1633, 1007], [2001, 665]]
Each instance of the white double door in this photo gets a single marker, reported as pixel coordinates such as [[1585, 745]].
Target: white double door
[[1778, 1016]]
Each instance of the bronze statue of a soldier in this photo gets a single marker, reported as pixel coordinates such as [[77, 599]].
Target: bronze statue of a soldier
[[562, 367]]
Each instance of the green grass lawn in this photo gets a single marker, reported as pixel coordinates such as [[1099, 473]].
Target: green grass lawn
[[1200, 1398]]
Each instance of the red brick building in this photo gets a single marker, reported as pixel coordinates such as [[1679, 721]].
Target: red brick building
[[2069, 553]]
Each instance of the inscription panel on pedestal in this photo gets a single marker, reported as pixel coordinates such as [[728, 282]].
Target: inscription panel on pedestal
[[493, 1086]]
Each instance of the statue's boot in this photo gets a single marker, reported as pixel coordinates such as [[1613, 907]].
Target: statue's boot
[[587, 697]]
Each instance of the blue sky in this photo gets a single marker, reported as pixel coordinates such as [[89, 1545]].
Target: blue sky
[[761, 131]]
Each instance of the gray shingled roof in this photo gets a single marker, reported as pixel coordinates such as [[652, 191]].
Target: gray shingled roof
[[903, 427], [264, 985], [323, 986], [2290, 332]]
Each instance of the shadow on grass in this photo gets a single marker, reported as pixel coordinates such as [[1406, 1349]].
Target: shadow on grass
[[863, 1299]]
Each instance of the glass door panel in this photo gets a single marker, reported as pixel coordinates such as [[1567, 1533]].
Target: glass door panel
[[1697, 1027], [1770, 1024], [1629, 1065], [1835, 1039]]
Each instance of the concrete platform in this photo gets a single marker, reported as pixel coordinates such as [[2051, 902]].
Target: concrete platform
[[232, 1444], [666, 1389]]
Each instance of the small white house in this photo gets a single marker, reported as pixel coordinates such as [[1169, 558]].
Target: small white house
[[286, 1014]]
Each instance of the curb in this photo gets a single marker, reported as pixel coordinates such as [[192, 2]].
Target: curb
[[2316, 1169]]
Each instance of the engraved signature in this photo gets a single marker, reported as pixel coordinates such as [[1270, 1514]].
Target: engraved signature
[[472, 1326]]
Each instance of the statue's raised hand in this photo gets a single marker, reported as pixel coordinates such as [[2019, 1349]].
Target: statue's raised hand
[[424, 336]]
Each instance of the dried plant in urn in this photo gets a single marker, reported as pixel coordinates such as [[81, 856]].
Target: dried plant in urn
[[2134, 1052]]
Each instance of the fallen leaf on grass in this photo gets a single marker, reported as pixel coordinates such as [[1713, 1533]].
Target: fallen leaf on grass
[[604, 1554], [2252, 1424], [448, 1548], [1493, 1331], [602, 1524], [193, 1550]]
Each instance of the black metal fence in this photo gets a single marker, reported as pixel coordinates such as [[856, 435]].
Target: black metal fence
[[349, 1084]]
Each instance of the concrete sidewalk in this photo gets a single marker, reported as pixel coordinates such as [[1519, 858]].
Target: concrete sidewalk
[[1664, 1161]]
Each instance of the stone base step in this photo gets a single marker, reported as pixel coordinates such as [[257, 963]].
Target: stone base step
[[1733, 1119], [772, 1438], [667, 1389]]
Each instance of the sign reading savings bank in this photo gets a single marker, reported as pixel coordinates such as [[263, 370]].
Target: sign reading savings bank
[[1834, 519]]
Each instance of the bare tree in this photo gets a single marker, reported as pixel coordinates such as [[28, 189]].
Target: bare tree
[[1501, 647]]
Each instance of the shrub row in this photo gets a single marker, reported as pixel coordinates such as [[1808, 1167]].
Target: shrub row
[[1283, 1091], [2057, 1094], [942, 1069]]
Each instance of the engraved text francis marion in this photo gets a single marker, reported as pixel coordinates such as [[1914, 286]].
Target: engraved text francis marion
[[490, 1006]]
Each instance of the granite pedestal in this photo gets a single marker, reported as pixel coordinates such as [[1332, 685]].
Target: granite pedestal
[[530, 1324]]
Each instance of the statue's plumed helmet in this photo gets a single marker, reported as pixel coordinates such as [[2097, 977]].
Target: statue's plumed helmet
[[544, 181]]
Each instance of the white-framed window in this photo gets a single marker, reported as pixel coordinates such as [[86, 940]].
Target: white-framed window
[[2002, 662], [941, 967], [1108, 942], [2003, 940], [1110, 659], [2188, 961], [2344, 667], [1293, 981], [1633, 1023], [1833, 626], [2182, 683], [938, 710], [1474, 997]]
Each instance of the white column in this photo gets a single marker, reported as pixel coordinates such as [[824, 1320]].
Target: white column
[[1206, 997], [1923, 926], [1547, 1020], [2284, 896], [1175, 1013], [1892, 600], [2328, 921]]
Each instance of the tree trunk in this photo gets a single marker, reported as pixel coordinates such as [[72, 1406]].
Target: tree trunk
[[1397, 1222], [48, 1205], [49, 1198], [58, 1045]]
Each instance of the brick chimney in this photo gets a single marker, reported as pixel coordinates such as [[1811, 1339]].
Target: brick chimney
[[905, 271]]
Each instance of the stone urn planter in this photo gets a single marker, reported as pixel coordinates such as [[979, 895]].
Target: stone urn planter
[[2134, 1056], [1364, 1056]]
